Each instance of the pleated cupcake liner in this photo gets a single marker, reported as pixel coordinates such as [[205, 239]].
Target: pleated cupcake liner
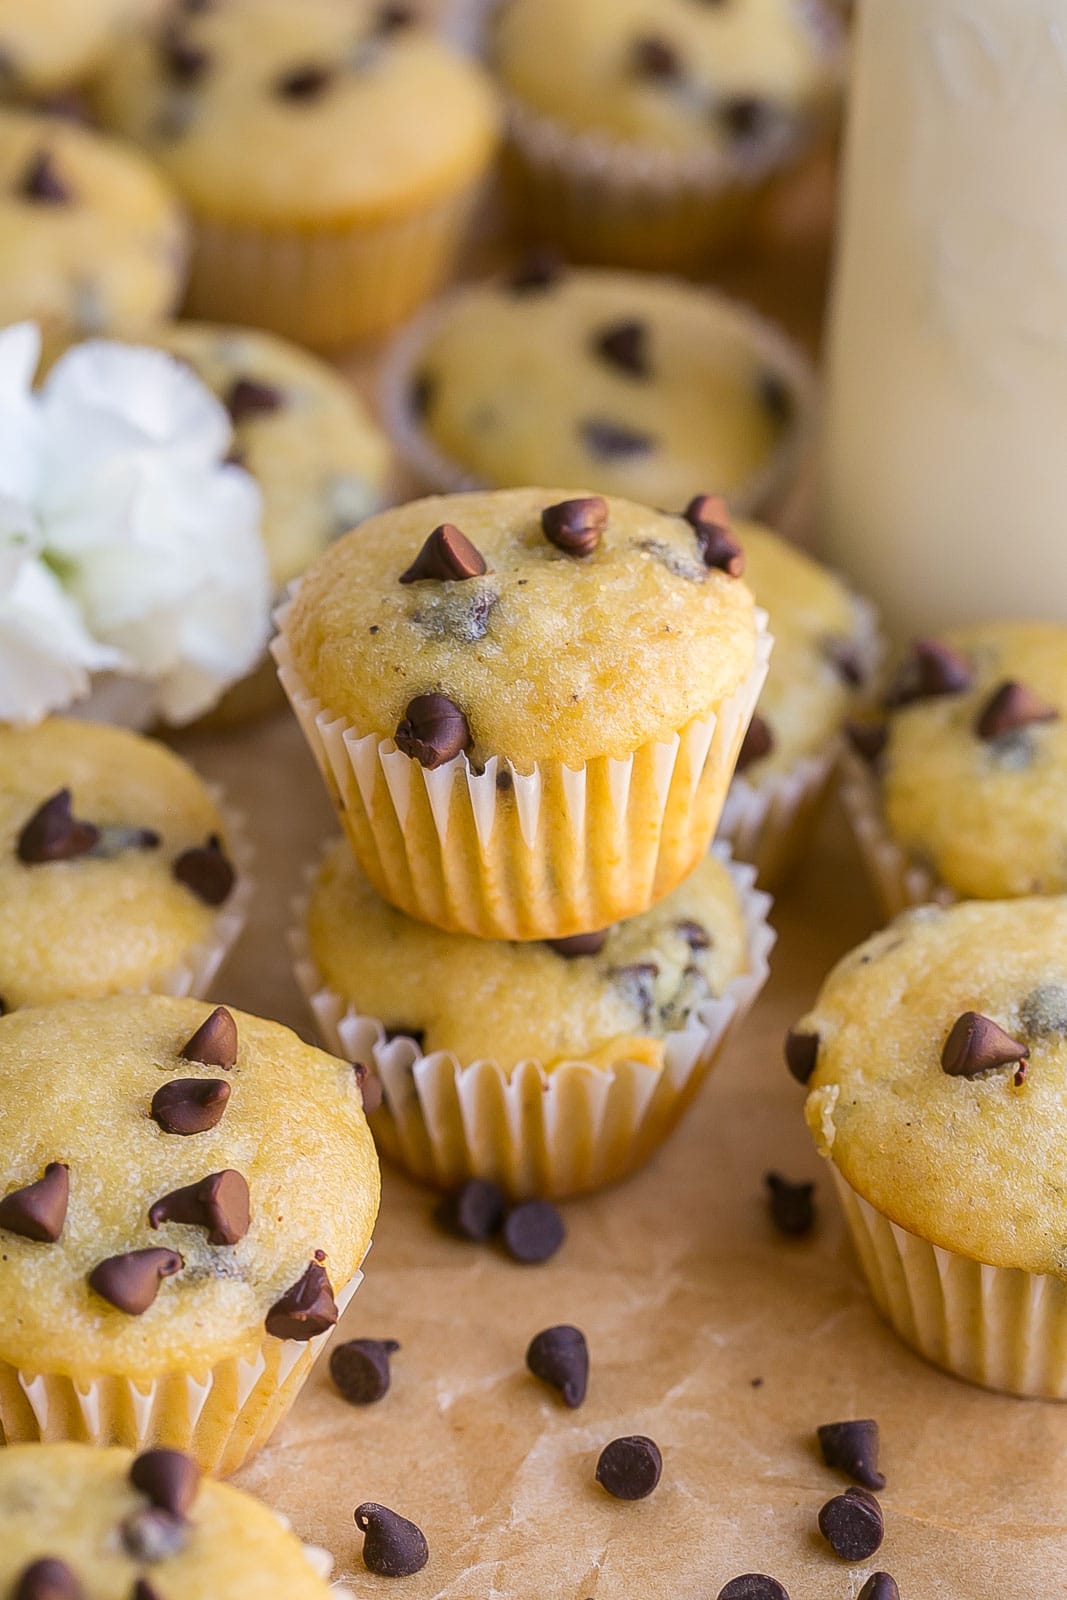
[[899, 881]]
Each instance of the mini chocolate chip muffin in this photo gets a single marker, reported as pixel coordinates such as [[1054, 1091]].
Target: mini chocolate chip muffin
[[185, 1199], [117, 868], [47, 46], [91, 238], [77, 1522], [648, 387], [936, 1064], [527, 704], [642, 130], [594, 1045], [962, 790], [330, 154]]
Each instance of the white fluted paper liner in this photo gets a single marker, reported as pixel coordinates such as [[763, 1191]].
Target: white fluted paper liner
[[766, 490], [898, 879], [219, 1417], [559, 851], [997, 1327], [195, 974], [566, 1131]]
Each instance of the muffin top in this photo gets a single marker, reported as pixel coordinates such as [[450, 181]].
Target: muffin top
[[646, 386], [47, 45], [547, 654], [604, 998], [113, 862], [236, 1156], [91, 239], [736, 79], [247, 106], [940, 1080], [96, 1512], [299, 428], [821, 658], [974, 771]]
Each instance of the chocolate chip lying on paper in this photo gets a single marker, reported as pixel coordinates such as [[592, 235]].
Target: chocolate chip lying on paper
[[852, 1525], [131, 1282], [656, 58], [757, 743], [393, 1547], [153, 1535], [613, 441], [250, 397], [447, 554], [53, 833], [579, 944], [190, 1105], [360, 1369], [214, 1044], [977, 1044], [801, 1053], [852, 1448], [575, 526], [42, 184], [625, 345], [560, 1357], [219, 1203], [533, 1232], [879, 1586], [709, 517], [47, 1579], [206, 870], [474, 1212], [169, 1478], [792, 1205], [39, 1210], [629, 1468], [868, 739], [933, 669], [306, 1309], [1010, 707], [754, 1586], [433, 731], [304, 83]]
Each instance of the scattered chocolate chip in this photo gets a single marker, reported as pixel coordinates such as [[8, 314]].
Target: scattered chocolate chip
[[976, 1044], [447, 554], [153, 1535], [190, 1105], [625, 345], [183, 61], [1011, 707], [306, 1309], [115, 839], [169, 1478], [695, 934], [579, 944], [868, 739], [474, 1212], [654, 57], [1044, 1011], [629, 1468], [852, 1525], [214, 1044], [612, 441], [852, 1448], [879, 1586], [560, 1357], [131, 1282], [219, 1203], [538, 270], [933, 669], [746, 117], [846, 659], [392, 18], [370, 1086], [53, 833], [39, 1210], [250, 397], [360, 1369], [757, 743], [776, 398], [47, 1579], [422, 394], [393, 1547], [433, 731], [533, 1231], [709, 517], [575, 526], [801, 1053], [754, 1586], [206, 870], [304, 83], [792, 1205], [41, 183]]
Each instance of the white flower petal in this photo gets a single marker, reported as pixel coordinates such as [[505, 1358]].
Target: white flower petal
[[46, 654], [20, 352], [158, 398]]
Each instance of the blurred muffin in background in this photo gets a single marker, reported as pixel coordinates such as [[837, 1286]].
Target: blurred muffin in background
[[48, 46]]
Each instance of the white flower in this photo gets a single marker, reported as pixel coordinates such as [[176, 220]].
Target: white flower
[[46, 654]]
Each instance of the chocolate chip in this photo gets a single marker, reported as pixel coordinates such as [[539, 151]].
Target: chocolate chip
[[47, 1579], [538, 270], [533, 1232], [41, 183], [757, 743], [53, 833], [933, 669], [801, 1053], [250, 397], [852, 1525], [1044, 1011], [695, 934], [183, 61], [868, 739], [560, 1357], [654, 57], [754, 1586], [579, 944], [976, 1044], [776, 398], [206, 870], [360, 1369], [152, 1535], [303, 83], [433, 731], [219, 1203], [393, 1547], [474, 1212], [39, 1210], [852, 1448], [792, 1205], [422, 394], [847, 661], [709, 517], [169, 1478], [575, 526], [746, 117], [190, 1105], [1011, 707], [370, 1086], [131, 1282], [214, 1044], [447, 554], [143, 1590], [625, 345], [629, 1468], [392, 18], [612, 441], [306, 1309], [879, 1586]]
